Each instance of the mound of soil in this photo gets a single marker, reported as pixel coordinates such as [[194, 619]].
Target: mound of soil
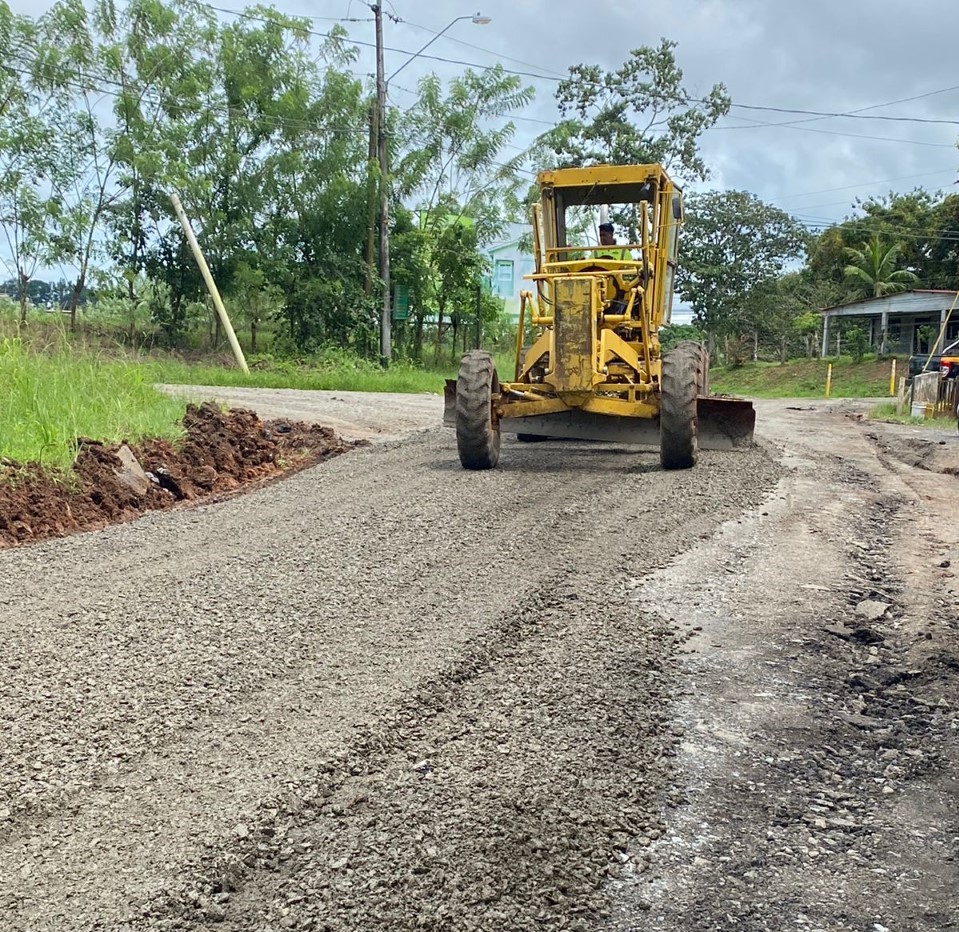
[[109, 483]]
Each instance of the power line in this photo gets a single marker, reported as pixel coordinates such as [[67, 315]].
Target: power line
[[554, 78], [505, 116], [147, 94], [818, 225], [830, 132], [855, 114], [858, 113], [316, 19], [479, 48], [866, 184]]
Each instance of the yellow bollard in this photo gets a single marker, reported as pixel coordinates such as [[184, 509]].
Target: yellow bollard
[[829, 380], [892, 380]]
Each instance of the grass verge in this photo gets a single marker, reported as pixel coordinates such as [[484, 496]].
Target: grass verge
[[49, 400], [887, 412], [806, 378], [343, 376]]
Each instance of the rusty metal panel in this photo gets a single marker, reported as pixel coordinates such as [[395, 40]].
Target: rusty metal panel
[[573, 334]]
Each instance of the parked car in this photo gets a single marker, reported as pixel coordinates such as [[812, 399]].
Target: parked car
[[947, 362]]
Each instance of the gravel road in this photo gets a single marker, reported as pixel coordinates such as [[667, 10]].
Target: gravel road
[[388, 694]]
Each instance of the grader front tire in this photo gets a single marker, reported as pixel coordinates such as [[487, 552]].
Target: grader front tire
[[683, 376], [702, 375], [477, 436]]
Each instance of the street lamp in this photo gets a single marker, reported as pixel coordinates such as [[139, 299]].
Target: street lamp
[[477, 18], [386, 337]]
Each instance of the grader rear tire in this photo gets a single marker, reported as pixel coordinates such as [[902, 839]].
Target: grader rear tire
[[683, 376], [477, 437]]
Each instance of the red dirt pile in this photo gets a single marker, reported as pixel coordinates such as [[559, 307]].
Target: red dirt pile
[[110, 483]]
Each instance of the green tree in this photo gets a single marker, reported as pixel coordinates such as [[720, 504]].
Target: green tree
[[36, 162], [873, 270], [73, 60], [312, 235], [941, 269], [254, 300], [451, 164], [638, 113], [733, 249], [923, 225], [856, 342], [158, 57], [673, 334]]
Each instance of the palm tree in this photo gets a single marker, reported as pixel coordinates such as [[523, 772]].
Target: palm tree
[[873, 269]]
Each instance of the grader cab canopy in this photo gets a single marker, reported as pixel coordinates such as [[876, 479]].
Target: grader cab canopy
[[594, 369]]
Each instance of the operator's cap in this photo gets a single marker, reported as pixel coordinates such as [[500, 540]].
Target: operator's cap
[[607, 228]]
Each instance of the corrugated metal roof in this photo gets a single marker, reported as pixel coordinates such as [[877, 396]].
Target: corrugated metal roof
[[914, 301]]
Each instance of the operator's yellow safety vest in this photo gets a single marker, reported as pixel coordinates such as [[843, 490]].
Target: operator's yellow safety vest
[[617, 254]]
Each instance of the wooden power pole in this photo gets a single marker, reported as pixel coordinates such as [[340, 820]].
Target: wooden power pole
[[386, 337]]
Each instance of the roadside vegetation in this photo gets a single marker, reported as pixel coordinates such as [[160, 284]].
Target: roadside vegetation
[[324, 371], [51, 399], [806, 378], [887, 412]]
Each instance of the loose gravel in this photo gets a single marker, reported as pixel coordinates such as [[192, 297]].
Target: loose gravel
[[380, 693]]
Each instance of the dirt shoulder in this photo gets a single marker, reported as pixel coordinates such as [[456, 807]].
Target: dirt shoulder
[[370, 416], [220, 452], [818, 697]]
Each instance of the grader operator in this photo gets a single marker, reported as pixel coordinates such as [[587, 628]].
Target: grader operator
[[595, 369]]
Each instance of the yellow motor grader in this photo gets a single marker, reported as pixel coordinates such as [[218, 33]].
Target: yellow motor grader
[[595, 370]]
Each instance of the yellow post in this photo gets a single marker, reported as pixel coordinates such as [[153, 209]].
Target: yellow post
[[892, 380], [829, 380]]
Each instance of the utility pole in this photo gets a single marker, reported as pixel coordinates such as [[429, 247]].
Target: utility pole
[[386, 337], [372, 195], [382, 149]]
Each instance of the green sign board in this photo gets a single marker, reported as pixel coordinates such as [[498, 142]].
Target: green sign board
[[401, 302]]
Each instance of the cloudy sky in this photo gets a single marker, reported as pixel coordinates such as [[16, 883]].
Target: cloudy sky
[[830, 56]]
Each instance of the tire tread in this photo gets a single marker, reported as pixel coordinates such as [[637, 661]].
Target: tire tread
[[477, 440]]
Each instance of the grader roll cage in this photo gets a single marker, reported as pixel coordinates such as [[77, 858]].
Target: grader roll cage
[[595, 369]]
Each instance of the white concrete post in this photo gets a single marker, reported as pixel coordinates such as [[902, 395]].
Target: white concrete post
[[210, 284]]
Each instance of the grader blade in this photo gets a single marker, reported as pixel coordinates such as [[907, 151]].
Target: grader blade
[[724, 423]]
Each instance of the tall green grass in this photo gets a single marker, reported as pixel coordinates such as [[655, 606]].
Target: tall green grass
[[887, 412], [330, 370], [806, 378], [48, 400]]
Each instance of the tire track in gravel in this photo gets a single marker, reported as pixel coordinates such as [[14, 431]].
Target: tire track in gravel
[[177, 672], [497, 798]]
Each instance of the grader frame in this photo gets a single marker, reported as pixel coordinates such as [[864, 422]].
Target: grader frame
[[595, 368]]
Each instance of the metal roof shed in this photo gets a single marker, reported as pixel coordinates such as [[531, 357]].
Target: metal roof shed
[[895, 319]]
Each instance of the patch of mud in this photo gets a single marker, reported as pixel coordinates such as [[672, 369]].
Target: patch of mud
[[931, 455], [821, 730], [221, 452]]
